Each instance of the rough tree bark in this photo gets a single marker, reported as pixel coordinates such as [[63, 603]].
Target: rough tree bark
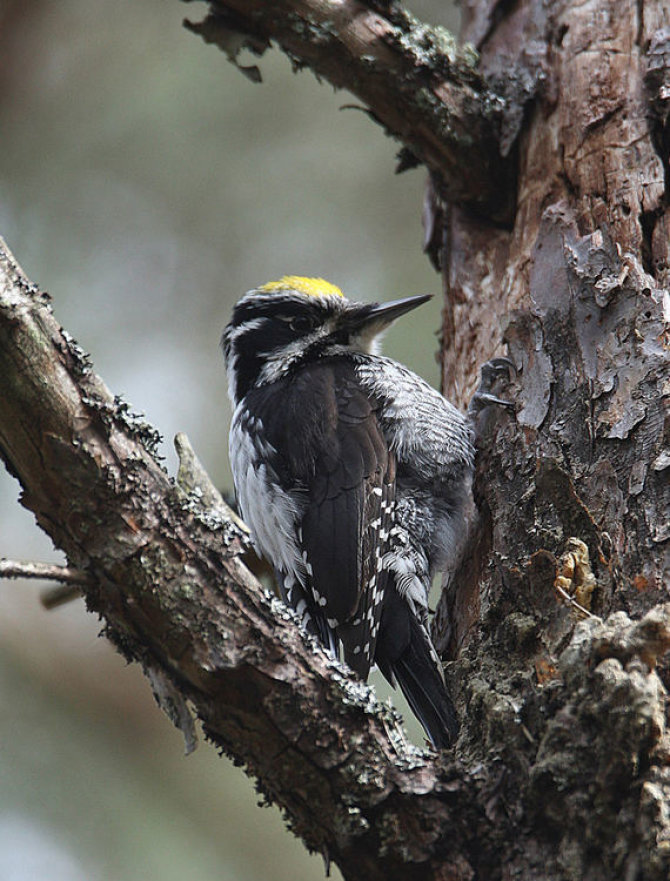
[[558, 246]]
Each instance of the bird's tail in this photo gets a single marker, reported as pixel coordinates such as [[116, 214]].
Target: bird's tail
[[407, 656], [426, 692]]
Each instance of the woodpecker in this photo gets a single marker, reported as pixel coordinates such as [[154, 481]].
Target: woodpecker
[[353, 475]]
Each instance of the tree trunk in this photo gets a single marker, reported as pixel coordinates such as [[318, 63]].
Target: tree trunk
[[562, 770], [576, 289], [573, 490]]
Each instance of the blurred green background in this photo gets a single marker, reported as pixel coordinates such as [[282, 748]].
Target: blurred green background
[[146, 184]]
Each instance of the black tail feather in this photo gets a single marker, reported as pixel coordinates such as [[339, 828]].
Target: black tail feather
[[426, 692], [404, 653]]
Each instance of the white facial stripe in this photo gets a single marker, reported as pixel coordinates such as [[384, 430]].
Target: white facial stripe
[[280, 361], [253, 324], [231, 369]]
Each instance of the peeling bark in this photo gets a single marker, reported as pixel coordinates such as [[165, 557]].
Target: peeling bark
[[577, 290], [585, 317]]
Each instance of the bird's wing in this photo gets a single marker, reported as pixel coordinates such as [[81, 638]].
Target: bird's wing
[[349, 507]]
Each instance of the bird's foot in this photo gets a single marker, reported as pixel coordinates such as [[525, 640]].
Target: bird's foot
[[493, 372]]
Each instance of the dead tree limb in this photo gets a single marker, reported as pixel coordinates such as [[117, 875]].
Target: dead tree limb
[[415, 80]]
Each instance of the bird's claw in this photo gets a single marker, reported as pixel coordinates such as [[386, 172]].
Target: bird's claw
[[492, 372]]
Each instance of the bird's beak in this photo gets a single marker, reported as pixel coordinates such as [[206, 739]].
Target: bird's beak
[[373, 319], [385, 313], [369, 321]]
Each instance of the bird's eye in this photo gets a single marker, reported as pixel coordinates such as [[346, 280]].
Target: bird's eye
[[301, 324]]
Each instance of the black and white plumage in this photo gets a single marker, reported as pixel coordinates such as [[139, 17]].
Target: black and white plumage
[[353, 475]]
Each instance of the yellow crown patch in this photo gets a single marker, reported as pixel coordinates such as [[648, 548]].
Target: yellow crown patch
[[312, 287]]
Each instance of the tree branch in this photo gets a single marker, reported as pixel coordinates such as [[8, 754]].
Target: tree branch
[[45, 571], [414, 79], [70, 588]]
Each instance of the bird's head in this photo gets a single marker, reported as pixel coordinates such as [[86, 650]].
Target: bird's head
[[286, 323]]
